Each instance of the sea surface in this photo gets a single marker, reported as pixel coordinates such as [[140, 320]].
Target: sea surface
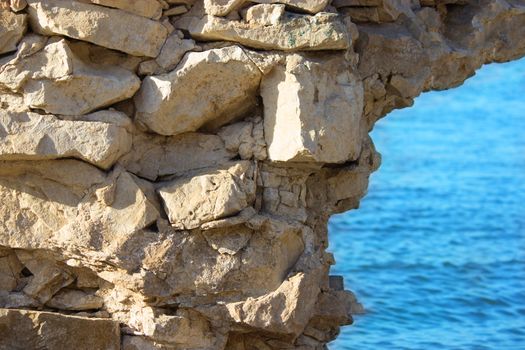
[[436, 253]]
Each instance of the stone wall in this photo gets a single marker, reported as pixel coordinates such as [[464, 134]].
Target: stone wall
[[168, 167]]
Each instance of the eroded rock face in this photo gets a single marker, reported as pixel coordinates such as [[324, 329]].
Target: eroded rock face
[[218, 84], [167, 168], [99, 139], [12, 29], [312, 110], [33, 329], [323, 31], [53, 79], [99, 25]]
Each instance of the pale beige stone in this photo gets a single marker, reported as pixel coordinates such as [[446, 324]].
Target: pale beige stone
[[154, 156], [18, 5], [99, 25], [31, 136], [218, 84], [264, 14], [12, 28], [375, 10], [74, 300], [245, 138], [324, 31], [224, 7], [22, 329], [145, 8], [186, 329], [175, 11], [10, 269], [285, 311], [312, 111], [55, 80], [47, 279], [192, 201], [173, 50]]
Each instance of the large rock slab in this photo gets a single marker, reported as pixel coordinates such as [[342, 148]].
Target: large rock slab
[[324, 31], [218, 84], [224, 7], [111, 28], [32, 136], [145, 8], [312, 111], [12, 28], [154, 156], [22, 329], [56, 80], [74, 205], [193, 200], [286, 310]]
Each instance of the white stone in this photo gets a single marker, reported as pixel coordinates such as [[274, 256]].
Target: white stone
[[12, 28], [224, 7], [154, 156], [218, 84], [312, 111], [32, 136], [324, 31], [194, 200], [111, 28], [55, 80]]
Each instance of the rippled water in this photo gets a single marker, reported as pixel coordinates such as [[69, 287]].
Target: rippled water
[[436, 252]]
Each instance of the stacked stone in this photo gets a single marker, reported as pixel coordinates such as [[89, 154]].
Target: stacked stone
[[167, 167]]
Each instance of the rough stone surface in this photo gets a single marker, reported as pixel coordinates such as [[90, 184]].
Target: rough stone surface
[[205, 86], [312, 111], [224, 7], [12, 29], [323, 31], [22, 329], [99, 25], [192, 201], [188, 208], [145, 8], [34, 136], [54, 79]]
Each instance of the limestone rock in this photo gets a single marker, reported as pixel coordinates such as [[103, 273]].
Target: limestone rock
[[111, 28], [312, 111], [374, 11], [323, 31], [10, 269], [17, 5], [173, 50], [72, 204], [224, 7], [21, 329], [186, 329], [245, 138], [155, 156], [54, 80], [192, 201], [47, 279], [74, 300], [18, 300], [265, 15], [282, 311], [33, 136], [211, 232], [145, 8], [12, 28], [173, 103]]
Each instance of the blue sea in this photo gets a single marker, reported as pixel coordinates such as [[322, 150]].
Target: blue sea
[[436, 253]]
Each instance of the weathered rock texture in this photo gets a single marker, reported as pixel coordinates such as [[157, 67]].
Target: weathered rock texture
[[167, 168]]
